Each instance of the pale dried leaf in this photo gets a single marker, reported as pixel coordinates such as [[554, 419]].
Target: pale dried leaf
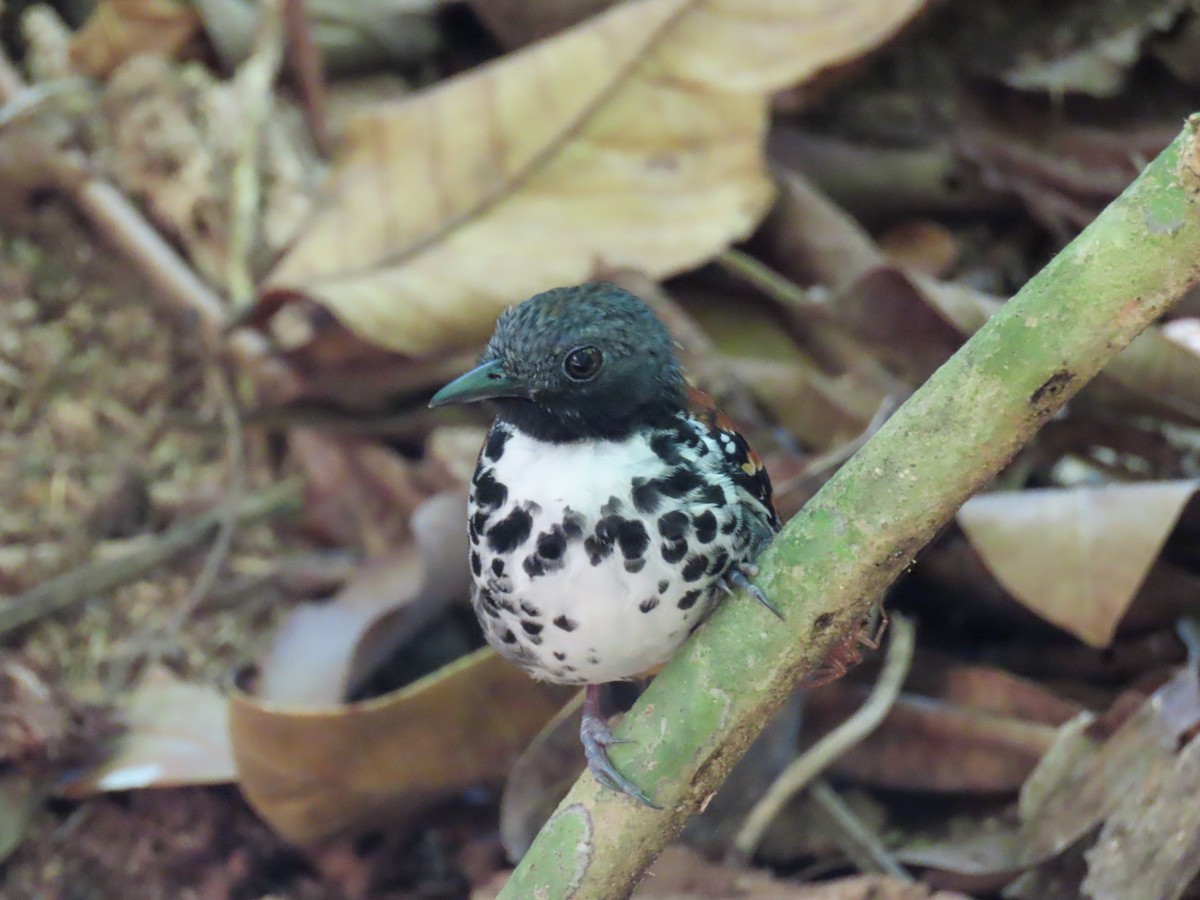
[[1150, 845], [1077, 556], [1082, 785], [634, 139], [178, 734]]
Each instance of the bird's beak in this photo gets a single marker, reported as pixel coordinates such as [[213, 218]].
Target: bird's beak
[[481, 383]]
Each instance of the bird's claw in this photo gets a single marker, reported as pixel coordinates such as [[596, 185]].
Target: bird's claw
[[597, 738], [739, 579]]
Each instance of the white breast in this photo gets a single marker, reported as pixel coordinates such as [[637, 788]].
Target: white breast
[[574, 582]]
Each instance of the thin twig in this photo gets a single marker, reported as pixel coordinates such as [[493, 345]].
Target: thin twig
[[96, 578], [308, 68], [236, 464], [804, 769], [254, 81], [780, 289], [852, 835]]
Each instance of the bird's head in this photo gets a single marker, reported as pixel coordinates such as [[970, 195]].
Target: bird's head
[[573, 363]]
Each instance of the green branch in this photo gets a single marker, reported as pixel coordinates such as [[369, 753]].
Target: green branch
[[837, 557]]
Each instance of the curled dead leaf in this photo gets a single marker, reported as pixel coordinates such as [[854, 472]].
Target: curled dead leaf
[[324, 651], [314, 773]]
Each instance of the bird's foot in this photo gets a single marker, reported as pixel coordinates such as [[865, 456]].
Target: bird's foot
[[597, 738], [738, 579], [848, 654]]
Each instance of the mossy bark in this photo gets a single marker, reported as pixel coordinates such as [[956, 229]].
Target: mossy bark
[[835, 559]]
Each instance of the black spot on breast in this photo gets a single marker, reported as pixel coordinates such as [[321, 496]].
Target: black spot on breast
[[497, 566], [612, 507], [678, 483], [729, 526], [509, 637], [593, 659], [488, 491], [674, 550], [530, 610], [646, 496], [572, 524], [559, 655], [688, 600], [531, 628], [565, 624], [694, 568], [534, 566], [551, 544], [673, 524], [706, 526], [510, 532], [648, 604], [635, 565], [719, 563], [663, 585], [497, 438], [476, 564], [632, 538], [714, 495], [665, 445], [600, 545]]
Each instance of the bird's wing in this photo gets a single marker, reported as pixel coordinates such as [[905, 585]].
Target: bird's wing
[[745, 466]]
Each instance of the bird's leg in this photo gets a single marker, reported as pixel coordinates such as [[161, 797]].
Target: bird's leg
[[597, 738]]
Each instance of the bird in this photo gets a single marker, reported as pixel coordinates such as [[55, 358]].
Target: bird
[[612, 505]]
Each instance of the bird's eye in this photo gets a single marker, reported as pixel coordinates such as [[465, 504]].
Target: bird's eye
[[583, 363]]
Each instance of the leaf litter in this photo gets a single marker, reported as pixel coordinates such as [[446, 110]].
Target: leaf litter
[[376, 738]]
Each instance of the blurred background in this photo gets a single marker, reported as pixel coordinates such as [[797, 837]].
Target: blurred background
[[242, 243]]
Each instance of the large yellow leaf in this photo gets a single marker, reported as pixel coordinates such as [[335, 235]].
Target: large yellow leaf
[[634, 139]]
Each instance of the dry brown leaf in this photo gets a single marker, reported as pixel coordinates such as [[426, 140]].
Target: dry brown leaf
[[1154, 375], [932, 745], [316, 773], [120, 29], [634, 139], [921, 245], [1077, 556]]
